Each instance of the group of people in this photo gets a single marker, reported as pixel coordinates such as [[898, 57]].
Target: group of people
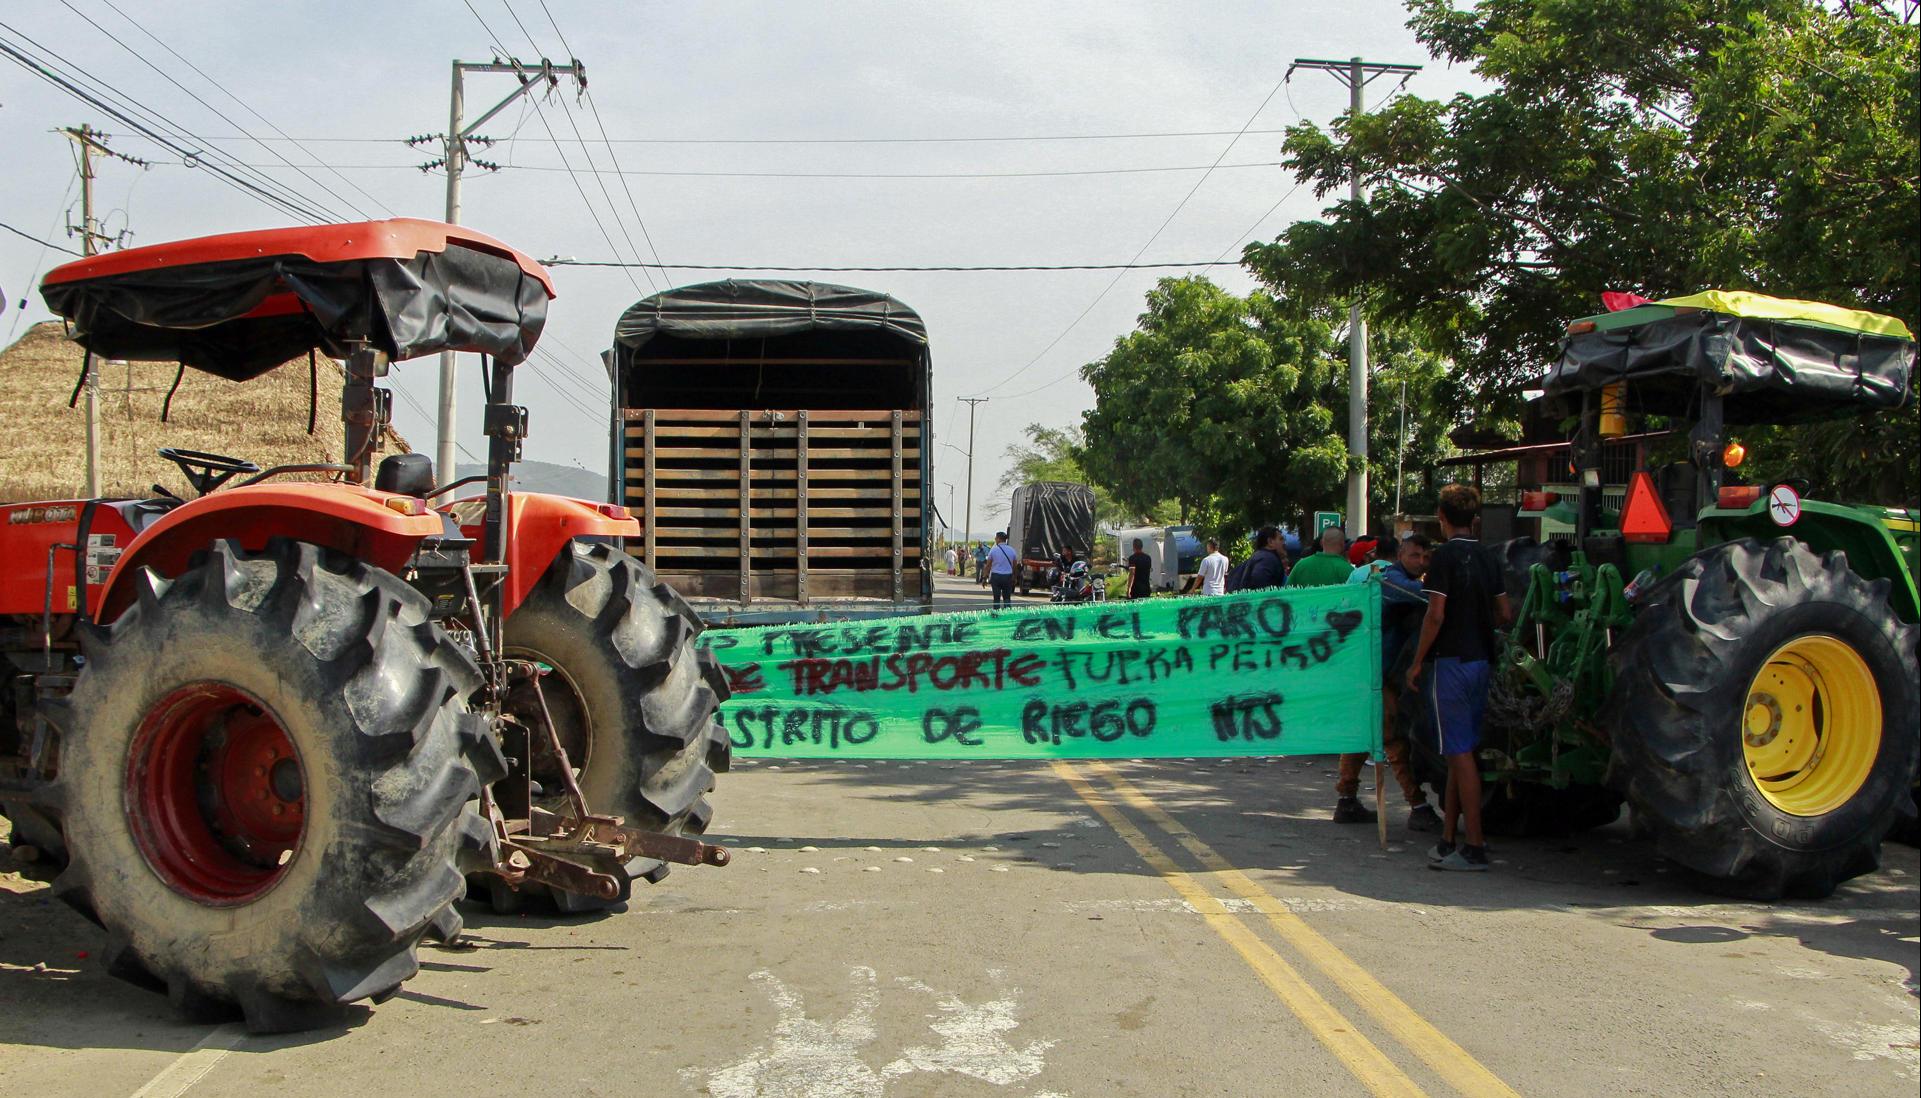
[[1443, 604]]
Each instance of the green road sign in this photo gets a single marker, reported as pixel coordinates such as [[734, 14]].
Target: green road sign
[[1325, 519]]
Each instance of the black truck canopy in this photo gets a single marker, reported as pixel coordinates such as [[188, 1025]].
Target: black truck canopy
[[756, 308], [771, 343], [1773, 360], [1052, 515]]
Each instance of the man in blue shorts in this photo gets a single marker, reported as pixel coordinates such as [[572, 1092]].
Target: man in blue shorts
[[1466, 600]]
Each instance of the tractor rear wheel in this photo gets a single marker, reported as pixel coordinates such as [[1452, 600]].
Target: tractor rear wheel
[[631, 697], [263, 768], [1764, 717]]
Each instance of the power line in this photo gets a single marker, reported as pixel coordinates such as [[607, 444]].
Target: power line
[[619, 222], [168, 77], [29, 236], [557, 262], [1048, 173], [540, 114], [244, 105], [950, 140], [1165, 222], [125, 113], [611, 156]]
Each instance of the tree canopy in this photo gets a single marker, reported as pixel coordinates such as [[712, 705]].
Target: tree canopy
[[1656, 146], [1234, 408]]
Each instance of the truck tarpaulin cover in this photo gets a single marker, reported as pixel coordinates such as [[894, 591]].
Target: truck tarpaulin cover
[[1051, 516], [238, 305], [763, 308], [1776, 363]]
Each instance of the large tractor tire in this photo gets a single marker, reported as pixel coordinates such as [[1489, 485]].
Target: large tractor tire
[[1764, 718], [263, 768], [631, 696]]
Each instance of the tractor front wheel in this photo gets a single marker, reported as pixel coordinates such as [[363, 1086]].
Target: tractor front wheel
[[1764, 717], [263, 768], [630, 695]]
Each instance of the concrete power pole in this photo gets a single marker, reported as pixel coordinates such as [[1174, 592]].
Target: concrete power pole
[[967, 522], [454, 157], [1356, 74], [91, 144]]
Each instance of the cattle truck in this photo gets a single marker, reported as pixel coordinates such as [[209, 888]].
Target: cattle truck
[[773, 433], [1047, 517]]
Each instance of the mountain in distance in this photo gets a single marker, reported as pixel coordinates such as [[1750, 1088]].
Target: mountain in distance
[[545, 476]]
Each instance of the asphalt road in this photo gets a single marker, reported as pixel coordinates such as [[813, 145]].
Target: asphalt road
[[1166, 928]]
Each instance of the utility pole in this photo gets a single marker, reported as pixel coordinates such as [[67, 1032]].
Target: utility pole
[[1400, 455], [967, 523], [950, 508], [454, 157], [1357, 75], [91, 143]]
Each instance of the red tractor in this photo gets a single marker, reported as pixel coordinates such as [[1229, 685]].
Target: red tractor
[[267, 735]]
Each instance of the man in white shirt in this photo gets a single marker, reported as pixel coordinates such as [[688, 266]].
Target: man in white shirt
[[953, 560], [1001, 562], [1213, 569]]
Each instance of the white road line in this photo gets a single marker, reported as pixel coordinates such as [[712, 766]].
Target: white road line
[[193, 1065]]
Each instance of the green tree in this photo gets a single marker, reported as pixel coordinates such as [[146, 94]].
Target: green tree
[[1660, 146], [1235, 408]]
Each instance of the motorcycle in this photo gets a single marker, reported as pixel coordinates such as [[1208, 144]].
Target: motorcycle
[[1078, 584]]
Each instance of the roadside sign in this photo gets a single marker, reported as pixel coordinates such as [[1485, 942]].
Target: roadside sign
[[1784, 505], [1325, 519]]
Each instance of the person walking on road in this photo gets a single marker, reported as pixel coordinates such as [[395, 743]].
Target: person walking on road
[[1213, 569], [1001, 562], [953, 561], [1466, 600], [1329, 566], [1140, 571], [980, 564]]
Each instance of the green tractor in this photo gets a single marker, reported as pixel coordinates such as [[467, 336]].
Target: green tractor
[[1751, 691]]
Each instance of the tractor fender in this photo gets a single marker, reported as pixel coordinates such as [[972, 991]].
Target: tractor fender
[[348, 517], [1826, 527], [539, 526]]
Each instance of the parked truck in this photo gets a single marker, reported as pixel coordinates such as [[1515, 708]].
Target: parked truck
[[773, 431], [1049, 516]]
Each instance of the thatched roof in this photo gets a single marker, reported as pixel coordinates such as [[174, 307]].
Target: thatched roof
[[43, 443]]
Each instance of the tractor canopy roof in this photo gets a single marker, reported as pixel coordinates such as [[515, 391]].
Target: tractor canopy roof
[[759, 308], [1773, 360], [239, 304]]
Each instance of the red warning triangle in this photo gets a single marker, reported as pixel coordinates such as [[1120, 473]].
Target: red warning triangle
[[1645, 518]]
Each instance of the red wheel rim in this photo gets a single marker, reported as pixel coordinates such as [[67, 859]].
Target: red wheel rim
[[216, 794]]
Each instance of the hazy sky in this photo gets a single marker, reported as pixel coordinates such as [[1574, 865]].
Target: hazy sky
[[379, 71]]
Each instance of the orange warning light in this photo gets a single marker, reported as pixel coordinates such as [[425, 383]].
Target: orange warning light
[[1645, 517], [1733, 455]]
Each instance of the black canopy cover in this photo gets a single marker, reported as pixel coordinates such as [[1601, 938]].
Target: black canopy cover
[[1049, 516], [1767, 370], [761, 308], [239, 317]]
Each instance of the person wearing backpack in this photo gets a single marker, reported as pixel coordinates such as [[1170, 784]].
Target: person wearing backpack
[[1266, 568]]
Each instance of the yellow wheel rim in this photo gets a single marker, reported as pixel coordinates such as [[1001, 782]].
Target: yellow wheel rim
[[1811, 728]]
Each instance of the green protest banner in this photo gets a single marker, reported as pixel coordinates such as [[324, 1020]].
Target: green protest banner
[[1288, 671]]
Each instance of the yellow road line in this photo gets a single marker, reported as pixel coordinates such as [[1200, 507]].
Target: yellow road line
[[1356, 1053], [1449, 1060]]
